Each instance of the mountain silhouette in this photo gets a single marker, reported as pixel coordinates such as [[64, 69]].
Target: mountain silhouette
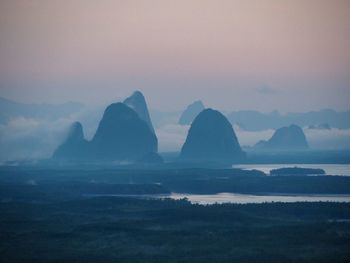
[[75, 146], [285, 138], [191, 112], [211, 138], [10, 109], [138, 103], [258, 121], [122, 135]]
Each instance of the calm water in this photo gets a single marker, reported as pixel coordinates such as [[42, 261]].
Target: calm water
[[239, 198], [330, 169], [246, 199]]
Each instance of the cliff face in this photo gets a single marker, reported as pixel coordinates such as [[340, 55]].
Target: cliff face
[[191, 112], [285, 138], [138, 103], [211, 138]]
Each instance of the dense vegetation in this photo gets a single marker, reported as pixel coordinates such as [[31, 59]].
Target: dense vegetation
[[46, 216], [200, 181], [137, 230]]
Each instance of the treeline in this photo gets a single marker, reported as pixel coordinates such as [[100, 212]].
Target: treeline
[[107, 229], [200, 181]]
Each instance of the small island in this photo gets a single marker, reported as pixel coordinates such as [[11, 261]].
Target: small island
[[288, 171]]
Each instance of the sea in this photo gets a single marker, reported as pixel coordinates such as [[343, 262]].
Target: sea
[[330, 169]]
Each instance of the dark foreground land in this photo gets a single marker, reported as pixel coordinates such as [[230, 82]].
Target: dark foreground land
[[45, 217], [79, 181], [135, 230]]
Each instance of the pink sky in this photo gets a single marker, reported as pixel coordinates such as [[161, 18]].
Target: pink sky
[[262, 54]]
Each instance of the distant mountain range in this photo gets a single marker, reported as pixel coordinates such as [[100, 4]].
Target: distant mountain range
[[191, 112], [33, 131], [289, 138], [125, 134], [10, 109], [248, 119], [251, 120], [257, 121]]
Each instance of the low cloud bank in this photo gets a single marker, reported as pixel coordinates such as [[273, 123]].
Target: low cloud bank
[[250, 138], [332, 139], [28, 139], [171, 137]]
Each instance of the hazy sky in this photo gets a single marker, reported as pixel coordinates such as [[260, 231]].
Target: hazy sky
[[288, 55]]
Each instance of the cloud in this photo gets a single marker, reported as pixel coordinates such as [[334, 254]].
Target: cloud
[[24, 138], [250, 138], [171, 137], [30, 139], [328, 139], [265, 90]]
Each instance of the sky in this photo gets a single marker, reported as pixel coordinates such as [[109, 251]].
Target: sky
[[290, 55]]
